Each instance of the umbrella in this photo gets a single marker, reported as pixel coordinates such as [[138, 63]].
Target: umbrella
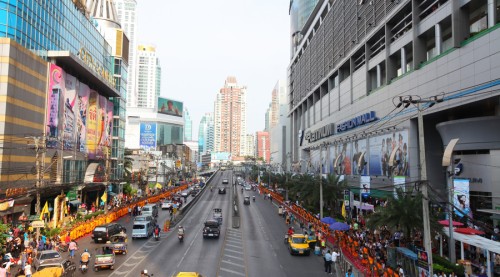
[[469, 231], [328, 220], [339, 226], [447, 223]]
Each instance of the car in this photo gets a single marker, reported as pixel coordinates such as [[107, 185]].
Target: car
[[194, 192], [211, 229], [298, 244], [46, 257], [184, 194], [102, 233], [248, 188], [67, 266], [188, 274], [225, 181], [222, 190], [167, 205], [246, 200], [145, 218]]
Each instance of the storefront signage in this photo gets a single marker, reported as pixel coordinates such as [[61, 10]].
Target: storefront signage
[[321, 133], [10, 192], [97, 68], [357, 121], [37, 224]]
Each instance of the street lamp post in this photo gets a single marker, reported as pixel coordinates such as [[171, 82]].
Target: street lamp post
[[417, 101], [320, 182]]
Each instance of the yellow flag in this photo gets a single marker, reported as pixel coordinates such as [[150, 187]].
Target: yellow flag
[[344, 212], [170, 183], [97, 201], [45, 210], [104, 197]]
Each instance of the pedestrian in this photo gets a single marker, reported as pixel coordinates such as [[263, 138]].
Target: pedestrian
[[72, 247], [335, 255], [349, 273], [400, 271], [328, 262], [129, 211], [27, 270]]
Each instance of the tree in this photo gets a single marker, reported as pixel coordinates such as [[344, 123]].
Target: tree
[[404, 213], [128, 165]]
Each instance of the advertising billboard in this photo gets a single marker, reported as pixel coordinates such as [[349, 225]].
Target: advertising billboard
[[147, 137], [358, 150], [81, 122], [55, 106], [221, 156], [380, 151], [92, 125], [70, 104], [365, 186], [461, 197], [341, 159], [170, 107]]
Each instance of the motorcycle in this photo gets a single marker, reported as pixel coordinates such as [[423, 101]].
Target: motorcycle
[[253, 198], [286, 239], [181, 237], [84, 267], [157, 236]]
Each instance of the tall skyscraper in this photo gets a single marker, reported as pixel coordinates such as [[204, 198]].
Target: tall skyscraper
[[188, 126], [126, 12], [148, 77], [230, 118], [300, 11], [278, 97], [267, 118], [263, 146], [249, 146], [206, 134]]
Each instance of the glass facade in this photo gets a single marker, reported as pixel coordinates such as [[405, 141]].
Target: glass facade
[[43, 25], [169, 134]]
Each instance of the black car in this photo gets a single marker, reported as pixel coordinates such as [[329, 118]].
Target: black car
[[211, 229], [222, 190], [102, 233]]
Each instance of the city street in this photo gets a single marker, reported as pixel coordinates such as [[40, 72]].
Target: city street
[[255, 249]]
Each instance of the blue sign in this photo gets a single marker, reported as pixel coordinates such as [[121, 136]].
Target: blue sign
[[147, 140], [359, 120]]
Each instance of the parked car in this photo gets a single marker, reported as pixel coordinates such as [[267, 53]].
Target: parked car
[[46, 257], [222, 190], [103, 232]]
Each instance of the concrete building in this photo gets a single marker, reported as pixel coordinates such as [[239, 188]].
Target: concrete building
[[48, 92], [188, 126], [249, 146], [280, 128], [360, 59], [206, 135], [230, 118], [148, 72], [263, 146], [300, 11], [126, 12]]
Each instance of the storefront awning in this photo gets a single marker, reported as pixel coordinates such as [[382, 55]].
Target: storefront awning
[[475, 240]]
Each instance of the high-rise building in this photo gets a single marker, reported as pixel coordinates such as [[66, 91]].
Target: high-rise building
[[263, 145], [126, 12], [300, 11], [188, 126], [230, 118], [106, 20], [372, 75], [267, 118], [249, 146], [280, 127], [206, 135], [278, 97], [148, 76]]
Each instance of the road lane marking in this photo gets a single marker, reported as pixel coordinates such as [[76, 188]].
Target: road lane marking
[[233, 257], [231, 263], [232, 271]]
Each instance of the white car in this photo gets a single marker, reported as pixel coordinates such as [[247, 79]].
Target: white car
[[248, 188], [166, 205], [184, 194]]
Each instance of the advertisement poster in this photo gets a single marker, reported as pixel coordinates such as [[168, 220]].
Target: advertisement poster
[[422, 263], [92, 125], [380, 151], [314, 162], [101, 122], [332, 154], [358, 150], [69, 113], [343, 159], [399, 183], [81, 122], [170, 107], [147, 140], [109, 129], [365, 186], [54, 106], [461, 197]]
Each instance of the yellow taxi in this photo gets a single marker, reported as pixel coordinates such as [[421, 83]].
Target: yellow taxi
[[188, 274], [298, 244]]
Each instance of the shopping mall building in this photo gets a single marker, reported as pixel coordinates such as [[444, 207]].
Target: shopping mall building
[[353, 62], [62, 111]]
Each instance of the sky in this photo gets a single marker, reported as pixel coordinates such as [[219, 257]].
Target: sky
[[200, 43]]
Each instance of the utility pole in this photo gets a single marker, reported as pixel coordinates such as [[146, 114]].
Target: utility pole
[[40, 164], [320, 182], [417, 101]]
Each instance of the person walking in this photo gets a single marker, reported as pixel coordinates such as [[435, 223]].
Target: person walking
[[27, 270], [72, 247], [328, 262], [349, 273]]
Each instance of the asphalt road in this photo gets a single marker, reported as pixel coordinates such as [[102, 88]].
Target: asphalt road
[[254, 249]]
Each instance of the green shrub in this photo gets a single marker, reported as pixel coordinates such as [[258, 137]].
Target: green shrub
[[443, 262]]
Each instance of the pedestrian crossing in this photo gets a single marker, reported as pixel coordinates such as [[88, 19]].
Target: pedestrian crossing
[[232, 260]]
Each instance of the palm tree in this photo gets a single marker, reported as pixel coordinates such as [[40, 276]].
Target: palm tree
[[404, 213], [333, 190], [128, 164]]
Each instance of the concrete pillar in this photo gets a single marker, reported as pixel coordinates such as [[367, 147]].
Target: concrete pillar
[[379, 76], [438, 38], [492, 13], [403, 60]]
